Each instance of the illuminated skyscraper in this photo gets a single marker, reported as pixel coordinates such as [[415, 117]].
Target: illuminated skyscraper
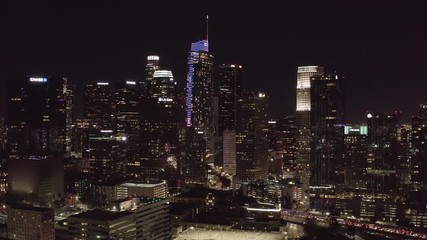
[[159, 128], [98, 104], [200, 88], [383, 148], [326, 121], [251, 137], [230, 88], [152, 66], [126, 106], [200, 112], [303, 122], [37, 116], [355, 153]]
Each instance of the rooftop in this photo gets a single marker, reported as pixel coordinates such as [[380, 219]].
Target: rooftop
[[30, 208], [102, 215]]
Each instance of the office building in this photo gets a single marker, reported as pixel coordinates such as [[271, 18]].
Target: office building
[[148, 189], [106, 154], [98, 104], [37, 113], [251, 137], [27, 222], [326, 122], [355, 156], [160, 128], [230, 88], [285, 145], [153, 64], [102, 224], [200, 88], [383, 148], [31, 180], [303, 107]]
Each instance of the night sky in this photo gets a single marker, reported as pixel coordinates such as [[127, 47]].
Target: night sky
[[380, 48]]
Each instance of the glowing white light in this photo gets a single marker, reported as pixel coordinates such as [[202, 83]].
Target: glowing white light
[[106, 131], [369, 115], [102, 83], [165, 99], [153, 58], [38, 79], [163, 74], [261, 95], [131, 82], [124, 138]]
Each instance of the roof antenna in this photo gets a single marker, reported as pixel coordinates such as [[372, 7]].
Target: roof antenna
[[207, 30]]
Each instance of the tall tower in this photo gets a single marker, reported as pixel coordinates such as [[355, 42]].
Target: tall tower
[[37, 116], [251, 137], [230, 88], [383, 148], [98, 105], [200, 88], [152, 66], [199, 110], [303, 123]]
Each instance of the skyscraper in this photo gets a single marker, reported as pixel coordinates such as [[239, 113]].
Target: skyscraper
[[355, 149], [200, 109], [383, 148], [159, 128], [230, 89], [200, 88], [326, 120], [98, 104], [303, 108], [152, 66], [27, 222], [251, 137], [37, 116]]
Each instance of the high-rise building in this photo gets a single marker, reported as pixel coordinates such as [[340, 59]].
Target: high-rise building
[[31, 180], [251, 137], [126, 111], [326, 122], [286, 134], [418, 166], [383, 149], [200, 112], [37, 113], [194, 167], [27, 222], [200, 88], [227, 91], [355, 155], [98, 104], [126, 106], [69, 90], [229, 152], [159, 128], [102, 224], [303, 107], [107, 154], [230, 88], [153, 64]]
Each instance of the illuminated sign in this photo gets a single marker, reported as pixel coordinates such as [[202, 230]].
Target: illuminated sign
[[165, 99], [102, 83], [261, 95], [106, 131], [38, 79], [131, 82], [153, 58]]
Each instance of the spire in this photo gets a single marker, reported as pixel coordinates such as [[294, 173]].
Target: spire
[[207, 27]]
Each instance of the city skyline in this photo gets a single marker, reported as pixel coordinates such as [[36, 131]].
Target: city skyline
[[377, 48]]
